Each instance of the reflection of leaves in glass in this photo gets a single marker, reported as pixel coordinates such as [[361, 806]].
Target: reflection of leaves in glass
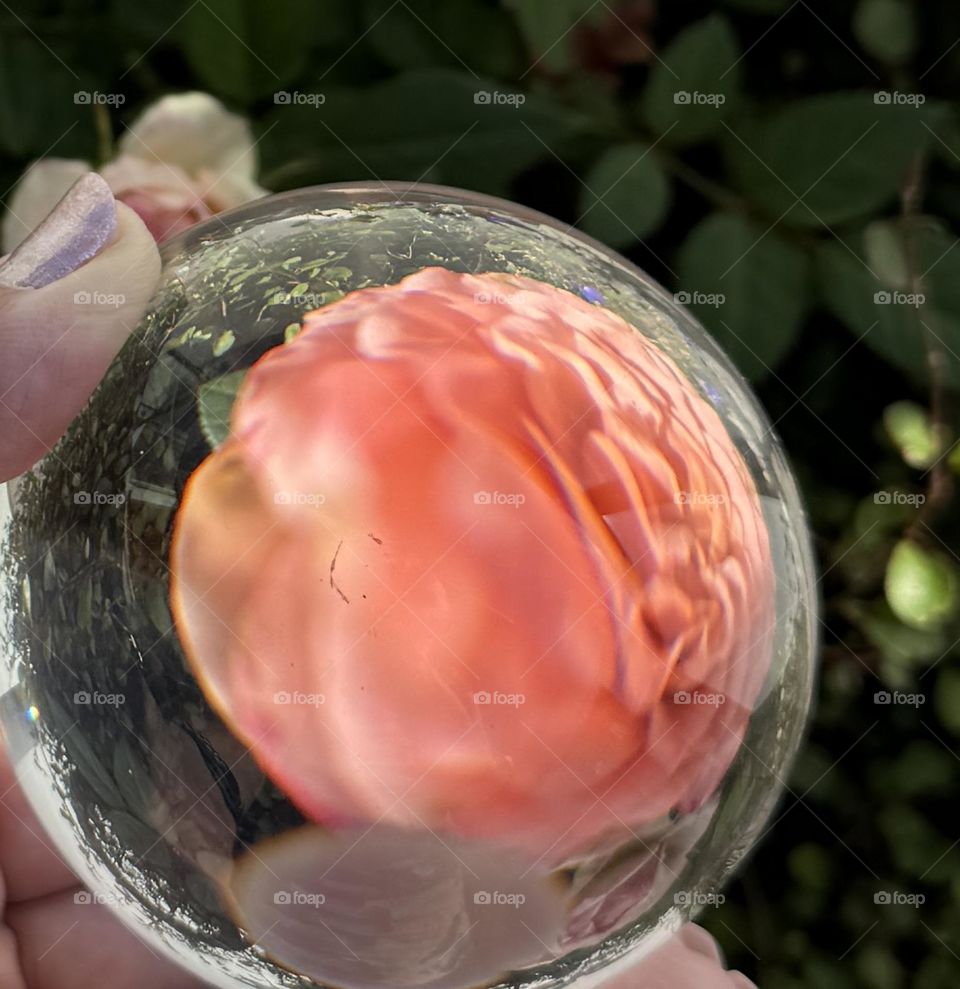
[[214, 401], [132, 779]]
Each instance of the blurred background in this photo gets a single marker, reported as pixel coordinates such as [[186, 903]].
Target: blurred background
[[791, 169]]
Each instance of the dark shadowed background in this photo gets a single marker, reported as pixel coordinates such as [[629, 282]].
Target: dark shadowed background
[[792, 171]]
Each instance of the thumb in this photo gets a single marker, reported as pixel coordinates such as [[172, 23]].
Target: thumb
[[688, 960], [70, 295]]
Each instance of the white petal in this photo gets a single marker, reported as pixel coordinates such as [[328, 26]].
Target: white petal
[[127, 173], [42, 186], [196, 132], [222, 192]]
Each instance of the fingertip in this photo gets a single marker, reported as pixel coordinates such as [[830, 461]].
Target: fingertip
[[77, 228], [68, 941], [29, 864], [58, 340]]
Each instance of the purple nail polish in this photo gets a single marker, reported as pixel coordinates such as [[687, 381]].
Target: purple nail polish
[[77, 228]]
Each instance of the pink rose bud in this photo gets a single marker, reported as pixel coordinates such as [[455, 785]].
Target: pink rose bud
[[477, 557], [184, 159]]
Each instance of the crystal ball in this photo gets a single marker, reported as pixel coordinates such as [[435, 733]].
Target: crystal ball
[[422, 600]]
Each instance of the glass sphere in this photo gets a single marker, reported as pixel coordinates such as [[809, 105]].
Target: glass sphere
[[352, 838]]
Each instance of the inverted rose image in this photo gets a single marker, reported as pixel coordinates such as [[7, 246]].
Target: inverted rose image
[[476, 558]]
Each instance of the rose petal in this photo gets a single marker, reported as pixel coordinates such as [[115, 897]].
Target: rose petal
[[197, 133], [225, 191]]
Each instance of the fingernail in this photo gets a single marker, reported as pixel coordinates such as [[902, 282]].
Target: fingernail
[[77, 228]]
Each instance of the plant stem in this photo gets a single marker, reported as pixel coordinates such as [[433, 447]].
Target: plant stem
[[940, 480], [711, 191], [101, 120]]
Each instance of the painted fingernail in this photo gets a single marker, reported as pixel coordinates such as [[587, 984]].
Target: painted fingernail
[[76, 229]]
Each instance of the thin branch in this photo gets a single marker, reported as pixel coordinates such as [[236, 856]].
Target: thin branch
[[940, 484], [713, 192]]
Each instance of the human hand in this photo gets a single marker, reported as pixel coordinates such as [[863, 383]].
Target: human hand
[[60, 326]]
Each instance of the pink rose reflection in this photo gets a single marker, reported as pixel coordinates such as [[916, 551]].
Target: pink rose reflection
[[162, 195], [502, 562]]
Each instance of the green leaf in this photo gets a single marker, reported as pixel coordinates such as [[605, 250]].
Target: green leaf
[[626, 195], [810, 865], [402, 35], [245, 50], [946, 124], [827, 159], [549, 28], [145, 23], [878, 966], [921, 586], [748, 287], [912, 432], [467, 35], [915, 844], [437, 125], [901, 646], [938, 263], [38, 100], [886, 253], [694, 84], [923, 768], [886, 29], [947, 698], [214, 403], [864, 548], [761, 6], [891, 321]]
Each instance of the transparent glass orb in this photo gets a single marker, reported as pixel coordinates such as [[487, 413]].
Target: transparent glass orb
[[513, 862]]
